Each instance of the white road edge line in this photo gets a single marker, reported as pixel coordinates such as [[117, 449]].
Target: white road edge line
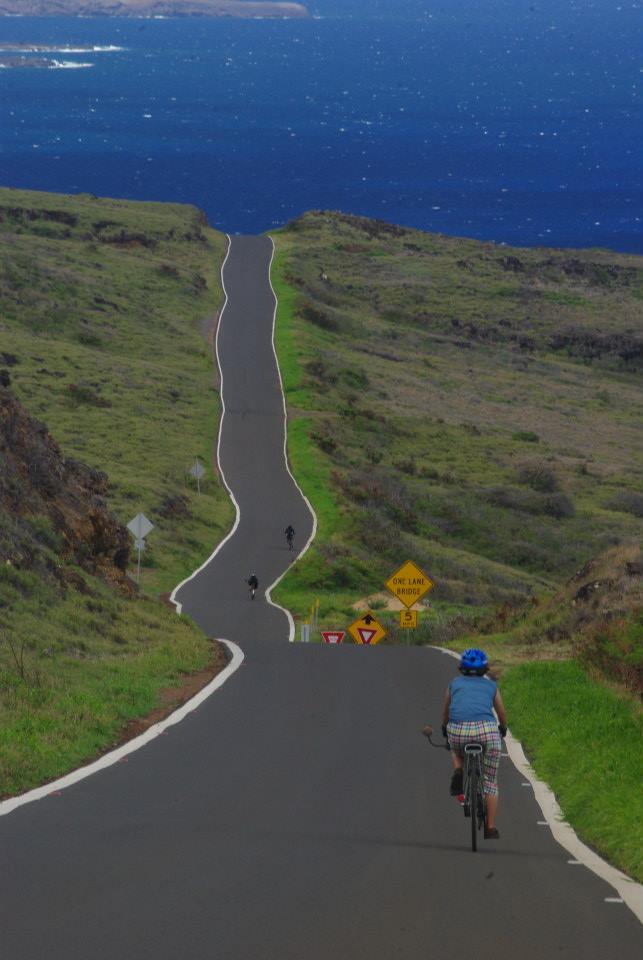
[[272, 586], [237, 658], [220, 545], [7, 806], [629, 890]]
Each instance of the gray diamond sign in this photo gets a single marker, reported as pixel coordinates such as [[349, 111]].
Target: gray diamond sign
[[140, 526]]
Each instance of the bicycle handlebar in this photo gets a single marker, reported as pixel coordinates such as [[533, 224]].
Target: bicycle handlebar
[[428, 733]]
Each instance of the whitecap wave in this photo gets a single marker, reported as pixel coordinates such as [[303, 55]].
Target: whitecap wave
[[68, 65], [36, 48]]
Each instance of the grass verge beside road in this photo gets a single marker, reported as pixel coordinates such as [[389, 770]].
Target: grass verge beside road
[[584, 739]]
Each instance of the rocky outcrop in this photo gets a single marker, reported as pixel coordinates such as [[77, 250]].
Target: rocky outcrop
[[52, 508], [152, 8]]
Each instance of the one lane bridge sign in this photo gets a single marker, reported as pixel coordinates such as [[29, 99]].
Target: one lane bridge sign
[[367, 630], [409, 583]]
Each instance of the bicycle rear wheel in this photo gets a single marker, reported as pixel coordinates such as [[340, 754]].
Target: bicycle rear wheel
[[473, 801]]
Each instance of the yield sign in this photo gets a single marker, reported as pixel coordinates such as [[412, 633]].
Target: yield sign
[[367, 630], [333, 636]]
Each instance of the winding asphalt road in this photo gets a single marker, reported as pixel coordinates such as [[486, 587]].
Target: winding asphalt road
[[298, 814]]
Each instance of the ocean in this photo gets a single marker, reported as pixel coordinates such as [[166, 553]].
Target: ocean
[[503, 120]]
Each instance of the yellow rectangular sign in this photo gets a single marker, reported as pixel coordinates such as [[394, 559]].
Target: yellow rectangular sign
[[408, 618], [409, 583]]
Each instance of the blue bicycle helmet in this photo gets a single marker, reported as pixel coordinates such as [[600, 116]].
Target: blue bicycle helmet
[[474, 661]]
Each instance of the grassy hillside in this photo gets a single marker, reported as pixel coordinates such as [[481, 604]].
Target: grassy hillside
[[105, 310], [471, 406]]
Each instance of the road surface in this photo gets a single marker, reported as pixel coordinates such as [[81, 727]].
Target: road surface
[[298, 814]]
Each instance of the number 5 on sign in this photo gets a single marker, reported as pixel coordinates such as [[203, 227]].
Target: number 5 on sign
[[408, 618]]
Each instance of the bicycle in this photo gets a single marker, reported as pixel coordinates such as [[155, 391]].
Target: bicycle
[[290, 536], [253, 584], [472, 797]]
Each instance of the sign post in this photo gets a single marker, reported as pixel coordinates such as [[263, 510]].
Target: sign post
[[140, 526], [198, 471]]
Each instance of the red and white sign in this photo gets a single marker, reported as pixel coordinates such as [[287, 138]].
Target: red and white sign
[[333, 636]]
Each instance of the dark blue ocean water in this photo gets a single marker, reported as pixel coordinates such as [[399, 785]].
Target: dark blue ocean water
[[503, 120]]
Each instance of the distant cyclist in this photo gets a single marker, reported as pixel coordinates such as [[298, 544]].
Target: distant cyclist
[[253, 585], [468, 714], [290, 535]]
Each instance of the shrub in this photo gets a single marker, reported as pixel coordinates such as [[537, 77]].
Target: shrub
[[83, 393], [626, 501], [406, 466], [325, 441], [527, 436], [89, 338], [556, 505], [559, 505], [538, 475], [321, 318]]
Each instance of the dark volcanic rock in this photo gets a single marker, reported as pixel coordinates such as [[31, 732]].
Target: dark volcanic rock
[[52, 502]]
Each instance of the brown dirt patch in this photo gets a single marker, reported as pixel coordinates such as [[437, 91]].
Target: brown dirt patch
[[392, 603], [173, 697]]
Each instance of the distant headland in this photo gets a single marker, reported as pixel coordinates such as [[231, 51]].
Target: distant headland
[[245, 9]]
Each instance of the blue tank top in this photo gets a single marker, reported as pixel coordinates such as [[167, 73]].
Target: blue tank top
[[472, 698]]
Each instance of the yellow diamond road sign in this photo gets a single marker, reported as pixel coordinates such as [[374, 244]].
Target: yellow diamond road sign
[[408, 584], [367, 630]]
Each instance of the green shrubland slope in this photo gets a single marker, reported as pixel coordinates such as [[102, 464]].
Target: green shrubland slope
[[472, 406], [105, 312]]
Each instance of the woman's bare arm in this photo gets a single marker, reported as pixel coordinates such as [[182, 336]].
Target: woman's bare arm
[[499, 707], [445, 707]]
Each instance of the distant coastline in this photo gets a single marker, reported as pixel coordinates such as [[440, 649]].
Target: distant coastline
[[240, 9]]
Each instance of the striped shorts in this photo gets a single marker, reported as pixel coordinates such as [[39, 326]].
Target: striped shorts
[[485, 732]]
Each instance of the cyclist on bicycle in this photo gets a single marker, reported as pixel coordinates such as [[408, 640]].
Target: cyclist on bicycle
[[468, 714], [290, 535], [253, 584]]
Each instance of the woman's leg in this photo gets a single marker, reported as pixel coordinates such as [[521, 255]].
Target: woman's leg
[[493, 749], [492, 807]]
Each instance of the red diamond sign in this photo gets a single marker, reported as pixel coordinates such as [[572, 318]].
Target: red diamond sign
[[333, 636]]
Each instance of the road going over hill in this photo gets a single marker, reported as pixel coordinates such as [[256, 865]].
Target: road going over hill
[[298, 814]]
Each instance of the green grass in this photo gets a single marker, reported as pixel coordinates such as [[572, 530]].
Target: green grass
[[435, 387], [111, 354], [105, 307], [75, 668], [584, 740]]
